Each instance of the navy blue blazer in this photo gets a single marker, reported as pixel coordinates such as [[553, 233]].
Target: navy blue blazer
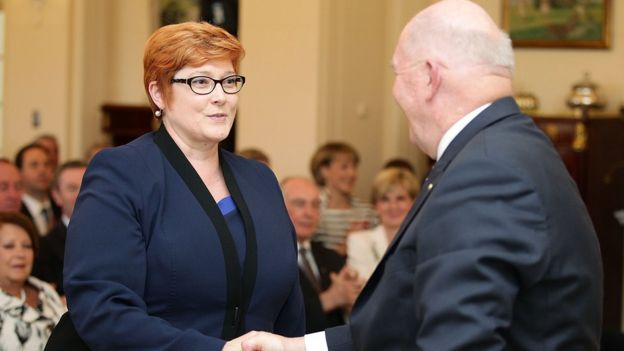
[[144, 268], [498, 253]]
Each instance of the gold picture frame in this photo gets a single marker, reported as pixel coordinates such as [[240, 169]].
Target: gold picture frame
[[558, 23]]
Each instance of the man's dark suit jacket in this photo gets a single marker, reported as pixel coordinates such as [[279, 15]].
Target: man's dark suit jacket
[[328, 261], [497, 253], [51, 257], [56, 211]]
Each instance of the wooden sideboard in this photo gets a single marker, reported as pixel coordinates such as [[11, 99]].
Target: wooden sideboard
[[592, 149], [125, 123]]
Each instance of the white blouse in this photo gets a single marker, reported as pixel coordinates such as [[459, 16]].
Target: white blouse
[[365, 249], [23, 328]]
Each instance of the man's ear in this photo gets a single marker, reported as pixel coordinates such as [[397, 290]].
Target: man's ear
[[435, 79], [156, 94]]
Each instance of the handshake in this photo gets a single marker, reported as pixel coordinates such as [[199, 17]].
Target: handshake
[[263, 341], [344, 289]]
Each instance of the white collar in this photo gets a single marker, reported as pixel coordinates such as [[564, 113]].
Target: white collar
[[305, 244], [457, 127], [35, 206]]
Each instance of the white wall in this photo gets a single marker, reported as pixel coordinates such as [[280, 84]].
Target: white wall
[[37, 70], [129, 27], [112, 57], [279, 103], [64, 59], [2, 34]]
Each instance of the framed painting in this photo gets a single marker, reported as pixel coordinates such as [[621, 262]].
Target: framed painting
[[222, 13], [175, 11], [558, 23]]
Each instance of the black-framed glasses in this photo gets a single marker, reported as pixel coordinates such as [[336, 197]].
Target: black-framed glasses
[[202, 85]]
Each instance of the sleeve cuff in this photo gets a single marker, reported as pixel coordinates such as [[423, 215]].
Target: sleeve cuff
[[315, 342]]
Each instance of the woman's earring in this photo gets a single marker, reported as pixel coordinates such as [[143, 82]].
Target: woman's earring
[[158, 113]]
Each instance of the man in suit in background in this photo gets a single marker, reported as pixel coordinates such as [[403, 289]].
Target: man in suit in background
[[498, 251], [329, 287], [36, 171], [65, 188], [10, 187]]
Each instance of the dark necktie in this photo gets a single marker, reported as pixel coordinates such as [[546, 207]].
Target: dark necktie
[[44, 213], [47, 215], [307, 269]]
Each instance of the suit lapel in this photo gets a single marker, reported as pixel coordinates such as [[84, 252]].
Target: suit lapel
[[24, 210], [495, 112]]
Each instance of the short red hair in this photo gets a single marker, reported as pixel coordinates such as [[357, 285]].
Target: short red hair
[[172, 47]]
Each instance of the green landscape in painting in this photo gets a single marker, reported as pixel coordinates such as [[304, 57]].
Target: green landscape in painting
[[563, 20]]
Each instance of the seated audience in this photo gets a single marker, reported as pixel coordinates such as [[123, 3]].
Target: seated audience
[[255, 154], [65, 187], [394, 191], [329, 287], [34, 164], [334, 167], [10, 187], [29, 307]]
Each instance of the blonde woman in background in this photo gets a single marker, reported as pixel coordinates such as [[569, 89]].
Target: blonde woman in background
[[394, 191]]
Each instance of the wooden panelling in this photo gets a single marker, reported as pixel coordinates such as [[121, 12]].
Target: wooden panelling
[[593, 151]]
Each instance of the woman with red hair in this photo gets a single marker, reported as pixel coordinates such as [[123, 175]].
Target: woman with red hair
[[172, 243]]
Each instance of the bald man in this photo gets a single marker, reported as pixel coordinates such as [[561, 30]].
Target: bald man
[[498, 251], [329, 287], [10, 187]]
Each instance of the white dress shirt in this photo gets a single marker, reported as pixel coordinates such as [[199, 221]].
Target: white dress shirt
[[35, 208], [457, 127], [365, 248], [65, 220], [306, 245]]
